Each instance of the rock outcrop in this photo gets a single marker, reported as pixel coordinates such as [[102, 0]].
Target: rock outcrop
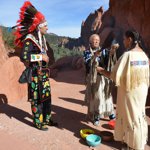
[[74, 62], [121, 15], [91, 25], [3, 52], [10, 88], [10, 70], [132, 14]]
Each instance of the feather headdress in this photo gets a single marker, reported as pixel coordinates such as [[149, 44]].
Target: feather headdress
[[28, 21]]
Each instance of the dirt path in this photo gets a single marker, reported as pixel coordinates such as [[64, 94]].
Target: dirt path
[[17, 132]]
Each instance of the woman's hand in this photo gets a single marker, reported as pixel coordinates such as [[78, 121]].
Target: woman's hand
[[45, 58], [103, 71], [100, 69]]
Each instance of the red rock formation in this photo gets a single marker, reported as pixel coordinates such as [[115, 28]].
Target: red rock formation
[[121, 15], [3, 52], [132, 14], [91, 25], [74, 62], [10, 88], [10, 71], [97, 22]]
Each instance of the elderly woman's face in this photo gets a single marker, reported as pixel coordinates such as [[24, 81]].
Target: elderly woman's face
[[95, 41]]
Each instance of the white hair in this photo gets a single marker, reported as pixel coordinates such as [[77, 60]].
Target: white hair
[[92, 36], [43, 24]]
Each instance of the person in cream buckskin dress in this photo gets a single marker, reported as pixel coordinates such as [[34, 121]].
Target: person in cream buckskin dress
[[131, 75]]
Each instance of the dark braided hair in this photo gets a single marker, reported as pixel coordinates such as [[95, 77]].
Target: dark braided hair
[[136, 38]]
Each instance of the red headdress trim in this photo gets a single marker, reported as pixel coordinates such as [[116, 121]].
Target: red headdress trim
[[29, 19]]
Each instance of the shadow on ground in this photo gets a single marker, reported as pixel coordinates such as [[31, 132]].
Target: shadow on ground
[[83, 92], [14, 112], [3, 99], [106, 126], [73, 100], [75, 121]]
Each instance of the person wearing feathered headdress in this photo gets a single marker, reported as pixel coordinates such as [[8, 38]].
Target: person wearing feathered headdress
[[30, 30]]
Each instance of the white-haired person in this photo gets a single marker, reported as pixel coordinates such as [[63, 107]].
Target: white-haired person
[[98, 94]]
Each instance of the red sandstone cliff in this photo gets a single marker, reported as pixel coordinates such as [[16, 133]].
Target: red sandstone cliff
[[10, 70], [3, 52], [120, 16]]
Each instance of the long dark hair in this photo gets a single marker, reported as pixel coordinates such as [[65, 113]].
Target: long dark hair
[[136, 39]]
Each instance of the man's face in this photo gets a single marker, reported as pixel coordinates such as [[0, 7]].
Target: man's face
[[43, 29], [95, 41]]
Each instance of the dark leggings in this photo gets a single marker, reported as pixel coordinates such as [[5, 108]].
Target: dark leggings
[[41, 112]]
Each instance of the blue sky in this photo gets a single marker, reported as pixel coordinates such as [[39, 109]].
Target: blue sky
[[64, 17]]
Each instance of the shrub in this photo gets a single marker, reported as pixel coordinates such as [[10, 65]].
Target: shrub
[[8, 37], [60, 52]]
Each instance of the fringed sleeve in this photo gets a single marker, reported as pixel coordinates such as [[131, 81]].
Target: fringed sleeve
[[121, 71], [130, 72]]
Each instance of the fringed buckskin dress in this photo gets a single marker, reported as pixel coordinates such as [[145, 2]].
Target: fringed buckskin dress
[[131, 75]]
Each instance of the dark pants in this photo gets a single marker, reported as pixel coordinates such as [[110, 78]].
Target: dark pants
[[41, 112]]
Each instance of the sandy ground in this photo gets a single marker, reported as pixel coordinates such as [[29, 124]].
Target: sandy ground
[[17, 132]]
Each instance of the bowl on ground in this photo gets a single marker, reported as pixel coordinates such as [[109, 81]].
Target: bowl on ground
[[106, 136], [93, 140], [85, 132], [111, 124]]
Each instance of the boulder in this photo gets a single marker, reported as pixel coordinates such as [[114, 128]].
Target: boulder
[[10, 88], [3, 52]]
